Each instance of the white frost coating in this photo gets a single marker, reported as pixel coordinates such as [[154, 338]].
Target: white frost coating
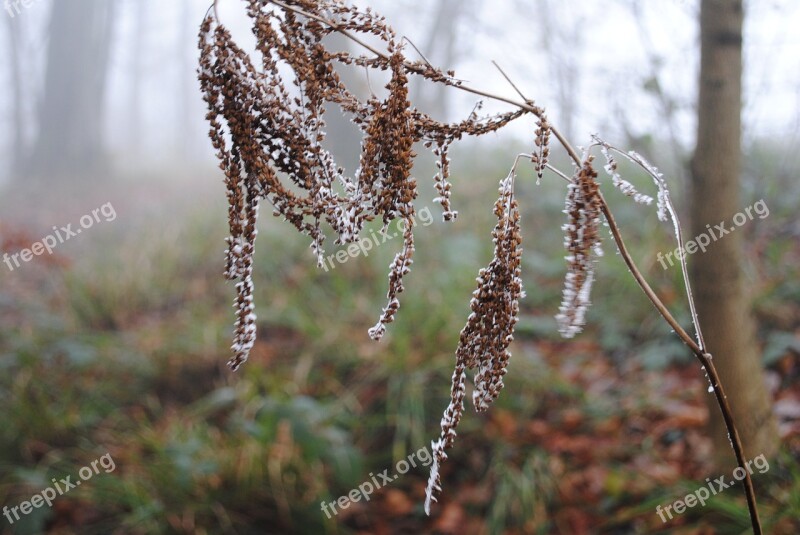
[[666, 210], [575, 301], [571, 325], [620, 183], [481, 397], [663, 193], [377, 332], [349, 231], [437, 448]]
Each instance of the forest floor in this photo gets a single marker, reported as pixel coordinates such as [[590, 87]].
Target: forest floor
[[116, 344]]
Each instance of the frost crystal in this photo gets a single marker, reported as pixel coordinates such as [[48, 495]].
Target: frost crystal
[[620, 183]]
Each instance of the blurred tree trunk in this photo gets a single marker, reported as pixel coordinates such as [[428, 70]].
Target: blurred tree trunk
[[442, 48], [722, 301], [561, 29], [140, 49], [69, 137], [187, 82], [342, 134], [18, 146]]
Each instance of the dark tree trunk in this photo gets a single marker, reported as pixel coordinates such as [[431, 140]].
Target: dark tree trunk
[[187, 78], [722, 300], [69, 137], [343, 135], [140, 48], [18, 142], [442, 48]]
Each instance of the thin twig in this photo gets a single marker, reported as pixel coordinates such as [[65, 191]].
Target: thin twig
[[513, 171], [417, 69], [511, 82], [558, 172], [369, 82], [736, 441], [702, 356], [650, 170], [410, 42]]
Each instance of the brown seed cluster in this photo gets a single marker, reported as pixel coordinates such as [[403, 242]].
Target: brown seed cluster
[[267, 125], [441, 181], [489, 331], [582, 241], [541, 155]]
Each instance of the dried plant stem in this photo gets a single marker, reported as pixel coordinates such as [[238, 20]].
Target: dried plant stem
[[416, 68], [703, 357], [558, 172], [510, 81], [698, 348], [668, 206], [410, 42]]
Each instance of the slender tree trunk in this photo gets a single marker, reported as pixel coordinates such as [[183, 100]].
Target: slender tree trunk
[[187, 80], [722, 299], [71, 114], [18, 148], [442, 47], [561, 39], [342, 134], [135, 111]]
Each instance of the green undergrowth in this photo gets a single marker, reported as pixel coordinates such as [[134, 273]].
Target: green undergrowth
[[122, 351]]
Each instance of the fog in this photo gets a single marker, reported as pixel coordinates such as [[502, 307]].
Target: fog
[[619, 68]]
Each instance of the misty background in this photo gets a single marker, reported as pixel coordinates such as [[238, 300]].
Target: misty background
[[623, 69], [116, 343]]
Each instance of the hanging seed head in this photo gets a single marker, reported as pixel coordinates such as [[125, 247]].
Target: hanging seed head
[[489, 331], [612, 168], [541, 154], [582, 241], [267, 126]]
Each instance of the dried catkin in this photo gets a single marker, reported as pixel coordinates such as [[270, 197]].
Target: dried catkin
[[268, 127], [489, 331], [582, 241], [541, 154]]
